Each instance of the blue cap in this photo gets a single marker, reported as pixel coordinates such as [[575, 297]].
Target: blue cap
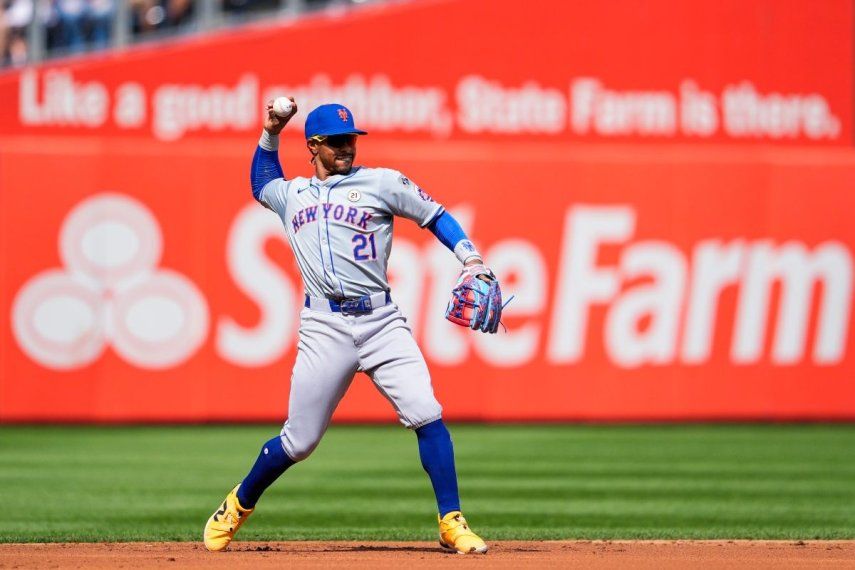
[[332, 119]]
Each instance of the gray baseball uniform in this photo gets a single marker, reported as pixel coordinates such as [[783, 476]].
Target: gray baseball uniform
[[340, 230]]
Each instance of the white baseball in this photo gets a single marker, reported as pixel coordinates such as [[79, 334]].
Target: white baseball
[[282, 106]]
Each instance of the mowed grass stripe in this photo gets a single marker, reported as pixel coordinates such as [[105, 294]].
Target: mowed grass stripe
[[365, 482]]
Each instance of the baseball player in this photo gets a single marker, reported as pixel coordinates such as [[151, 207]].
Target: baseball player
[[339, 225]]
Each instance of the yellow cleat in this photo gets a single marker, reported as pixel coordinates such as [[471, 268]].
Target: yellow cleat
[[225, 522], [455, 534]]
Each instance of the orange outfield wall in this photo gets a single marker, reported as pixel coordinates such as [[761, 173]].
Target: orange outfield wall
[[671, 258]]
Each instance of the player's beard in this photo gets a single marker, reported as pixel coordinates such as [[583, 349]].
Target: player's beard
[[343, 163]]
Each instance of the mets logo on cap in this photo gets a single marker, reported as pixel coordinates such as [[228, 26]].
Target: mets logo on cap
[[329, 120]]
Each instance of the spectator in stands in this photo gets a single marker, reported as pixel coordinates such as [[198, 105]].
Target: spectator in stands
[[100, 17], [151, 15], [84, 23], [147, 15], [71, 18], [15, 17], [179, 12], [4, 32]]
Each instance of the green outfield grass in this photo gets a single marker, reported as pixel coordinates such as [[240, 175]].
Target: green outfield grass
[[366, 483]]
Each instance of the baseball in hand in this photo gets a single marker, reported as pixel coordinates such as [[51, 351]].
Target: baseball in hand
[[282, 106]]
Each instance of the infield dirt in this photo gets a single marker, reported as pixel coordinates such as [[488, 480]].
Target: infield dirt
[[413, 555]]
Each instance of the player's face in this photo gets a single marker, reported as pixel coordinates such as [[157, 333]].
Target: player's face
[[336, 153]]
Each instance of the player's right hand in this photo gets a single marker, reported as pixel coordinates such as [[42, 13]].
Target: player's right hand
[[273, 123]]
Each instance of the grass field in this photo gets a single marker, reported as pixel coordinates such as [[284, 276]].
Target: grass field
[[364, 483]]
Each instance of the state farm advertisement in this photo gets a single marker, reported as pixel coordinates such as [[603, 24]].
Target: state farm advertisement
[[670, 206], [142, 282], [585, 71]]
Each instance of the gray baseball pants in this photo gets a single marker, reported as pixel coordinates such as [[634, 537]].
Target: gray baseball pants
[[331, 348]]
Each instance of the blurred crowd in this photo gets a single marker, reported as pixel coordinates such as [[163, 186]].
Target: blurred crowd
[[73, 26]]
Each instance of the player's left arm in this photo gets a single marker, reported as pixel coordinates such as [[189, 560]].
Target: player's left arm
[[405, 198], [477, 298], [476, 301], [448, 231]]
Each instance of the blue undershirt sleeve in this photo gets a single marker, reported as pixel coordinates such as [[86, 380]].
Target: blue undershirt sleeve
[[265, 168], [447, 230]]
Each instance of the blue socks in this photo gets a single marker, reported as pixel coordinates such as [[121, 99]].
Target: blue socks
[[437, 453], [435, 449], [271, 463]]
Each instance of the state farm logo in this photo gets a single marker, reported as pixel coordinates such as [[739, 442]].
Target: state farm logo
[[110, 292]]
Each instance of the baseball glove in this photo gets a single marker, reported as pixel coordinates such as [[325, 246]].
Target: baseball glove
[[476, 300]]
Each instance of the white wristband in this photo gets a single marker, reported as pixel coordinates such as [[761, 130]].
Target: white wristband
[[465, 250], [268, 141]]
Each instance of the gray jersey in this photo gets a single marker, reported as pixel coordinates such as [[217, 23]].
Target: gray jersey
[[341, 228]]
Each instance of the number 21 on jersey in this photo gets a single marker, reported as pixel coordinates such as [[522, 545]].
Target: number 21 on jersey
[[364, 248]]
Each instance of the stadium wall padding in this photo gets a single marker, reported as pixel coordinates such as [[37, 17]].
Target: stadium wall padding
[[672, 207]]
